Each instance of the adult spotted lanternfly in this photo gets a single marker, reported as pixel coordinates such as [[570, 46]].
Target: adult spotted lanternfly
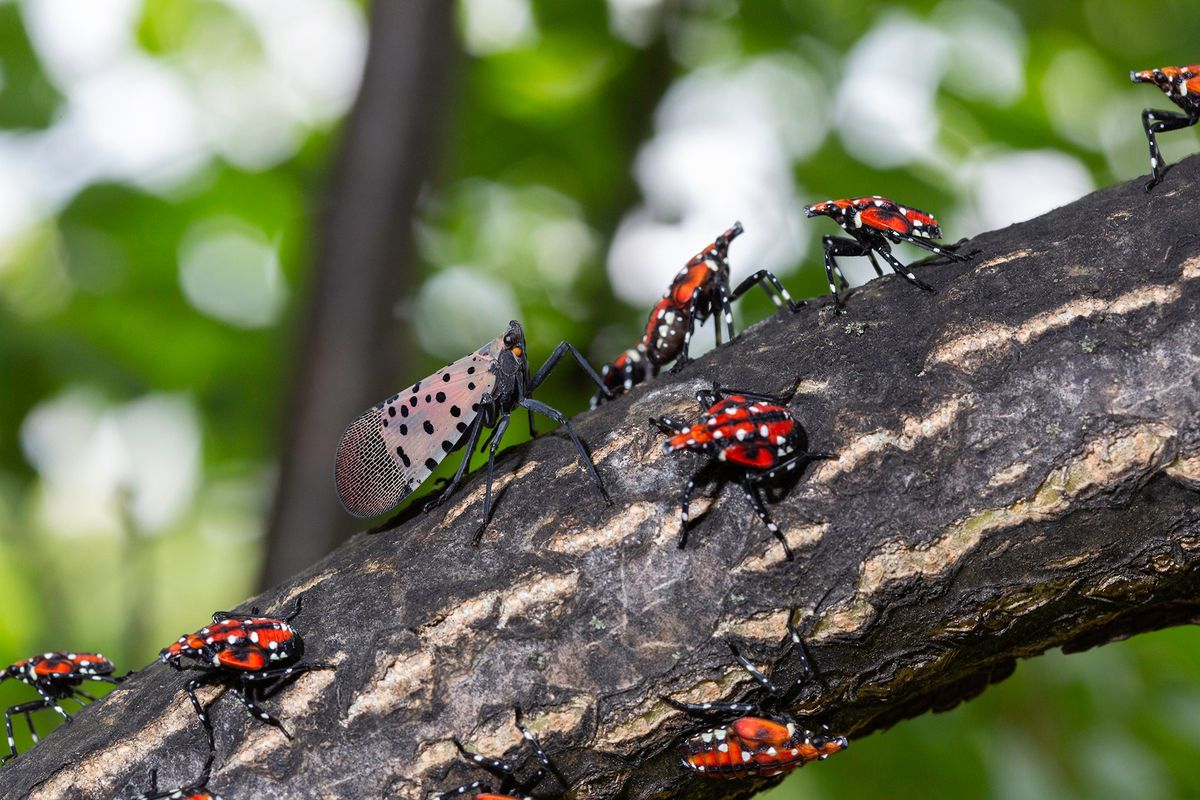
[[1182, 86], [56, 677], [699, 290], [256, 656], [762, 739], [510, 788], [624, 372], [751, 435], [392, 448], [195, 791], [872, 221]]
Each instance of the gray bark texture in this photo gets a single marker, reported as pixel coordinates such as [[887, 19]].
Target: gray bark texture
[[1018, 469]]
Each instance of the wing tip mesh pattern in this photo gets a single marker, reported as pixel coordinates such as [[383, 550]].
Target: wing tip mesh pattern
[[369, 481]]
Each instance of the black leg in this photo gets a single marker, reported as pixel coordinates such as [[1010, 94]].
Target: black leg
[[1161, 122], [257, 711], [839, 246], [487, 440], [23, 709], [557, 416], [763, 680], [547, 764], [885, 252], [52, 701], [551, 362], [479, 787], [274, 679], [720, 392], [791, 465], [296, 608], [32, 728], [726, 303], [800, 652], [711, 709], [707, 398], [701, 474], [206, 773], [463, 466], [85, 695], [683, 358], [874, 263], [757, 504], [926, 244], [669, 426], [152, 792], [192, 686], [768, 281], [497, 435], [115, 680], [501, 769]]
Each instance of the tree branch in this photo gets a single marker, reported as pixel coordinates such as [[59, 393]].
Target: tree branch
[[1019, 467]]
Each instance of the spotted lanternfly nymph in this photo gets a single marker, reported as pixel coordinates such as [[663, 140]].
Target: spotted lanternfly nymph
[[510, 787], [700, 290], [1182, 86], [392, 448], [761, 739], [254, 655], [194, 791], [753, 436], [56, 677], [872, 222], [624, 372]]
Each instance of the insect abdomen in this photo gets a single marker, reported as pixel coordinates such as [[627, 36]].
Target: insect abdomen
[[721, 753]]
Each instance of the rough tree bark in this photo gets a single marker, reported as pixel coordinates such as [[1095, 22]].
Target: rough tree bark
[[1019, 469]]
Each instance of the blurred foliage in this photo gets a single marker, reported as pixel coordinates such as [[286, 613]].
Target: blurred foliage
[[137, 364]]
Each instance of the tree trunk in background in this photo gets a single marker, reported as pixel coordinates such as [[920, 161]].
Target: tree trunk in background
[[363, 267], [1018, 469]]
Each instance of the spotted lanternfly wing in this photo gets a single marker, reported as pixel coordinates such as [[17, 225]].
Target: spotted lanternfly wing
[[392, 448], [884, 215]]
